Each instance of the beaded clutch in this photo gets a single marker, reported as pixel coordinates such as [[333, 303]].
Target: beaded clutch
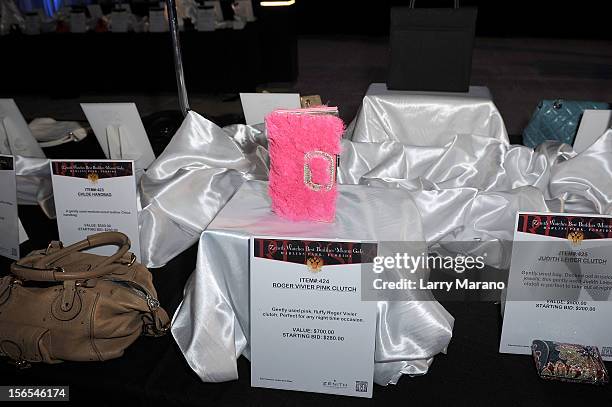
[[569, 362], [304, 145]]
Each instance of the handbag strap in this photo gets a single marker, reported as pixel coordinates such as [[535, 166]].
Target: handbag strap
[[456, 3], [42, 268]]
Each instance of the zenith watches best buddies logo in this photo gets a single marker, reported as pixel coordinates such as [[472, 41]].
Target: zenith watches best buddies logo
[[315, 254], [576, 229]]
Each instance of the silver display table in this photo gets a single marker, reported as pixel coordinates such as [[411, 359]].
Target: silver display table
[[211, 326], [426, 118]]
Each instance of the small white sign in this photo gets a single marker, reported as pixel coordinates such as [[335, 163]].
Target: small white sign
[[95, 11], [244, 10], [593, 125], [119, 21], [120, 132], [560, 282], [310, 330], [157, 21], [216, 5], [32, 24], [206, 19], [15, 135], [9, 221], [257, 105], [93, 196], [238, 24], [23, 235], [78, 22]]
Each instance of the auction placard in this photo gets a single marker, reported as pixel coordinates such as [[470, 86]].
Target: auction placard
[[9, 221], [120, 132], [560, 282], [95, 196], [310, 330]]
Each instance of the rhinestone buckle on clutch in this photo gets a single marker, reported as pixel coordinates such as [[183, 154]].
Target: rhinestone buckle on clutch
[[308, 173]]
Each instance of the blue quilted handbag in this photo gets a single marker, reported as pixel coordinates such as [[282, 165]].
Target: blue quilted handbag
[[557, 120]]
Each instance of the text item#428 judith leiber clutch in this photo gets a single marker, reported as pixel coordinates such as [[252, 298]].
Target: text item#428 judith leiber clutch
[[304, 145]]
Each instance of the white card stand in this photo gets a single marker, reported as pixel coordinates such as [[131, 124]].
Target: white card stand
[[118, 126], [207, 19], [238, 23], [10, 238], [32, 24], [23, 235], [216, 5], [95, 11], [17, 133], [157, 21], [119, 21], [8, 144], [593, 125], [257, 105], [244, 10], [5, 141], [116, 142], [78, 23]]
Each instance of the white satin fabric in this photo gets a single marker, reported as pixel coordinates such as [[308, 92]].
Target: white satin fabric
[[34, 183], [426, 118], [466, 188], [191, 180], [211, 325]]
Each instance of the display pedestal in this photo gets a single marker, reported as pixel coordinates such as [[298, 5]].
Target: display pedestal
[[427, 119], [211, 325]]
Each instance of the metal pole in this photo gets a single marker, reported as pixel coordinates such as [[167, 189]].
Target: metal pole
[[178, 60]]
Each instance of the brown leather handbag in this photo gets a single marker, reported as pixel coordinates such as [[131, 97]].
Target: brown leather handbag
[[61, 304]]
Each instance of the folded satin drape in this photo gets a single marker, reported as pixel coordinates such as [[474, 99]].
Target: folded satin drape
[[211, 325], [467, 187], [34, 183], [426, 118], [190, 182]]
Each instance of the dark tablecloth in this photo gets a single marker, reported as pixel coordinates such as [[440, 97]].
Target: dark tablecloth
[[66, 64]]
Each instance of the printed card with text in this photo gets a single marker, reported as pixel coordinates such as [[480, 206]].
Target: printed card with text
[[560, 282], [9, 221], [95, 196], [310, 330]]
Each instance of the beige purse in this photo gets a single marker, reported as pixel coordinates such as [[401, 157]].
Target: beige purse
[[61, 304]]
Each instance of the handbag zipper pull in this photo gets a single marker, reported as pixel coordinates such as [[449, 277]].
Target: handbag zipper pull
[[152, 302]]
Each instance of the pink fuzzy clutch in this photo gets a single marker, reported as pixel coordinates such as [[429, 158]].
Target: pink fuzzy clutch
[[304, 145]]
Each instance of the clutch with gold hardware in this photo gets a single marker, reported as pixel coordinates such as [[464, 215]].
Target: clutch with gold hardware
[[304, 145]]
